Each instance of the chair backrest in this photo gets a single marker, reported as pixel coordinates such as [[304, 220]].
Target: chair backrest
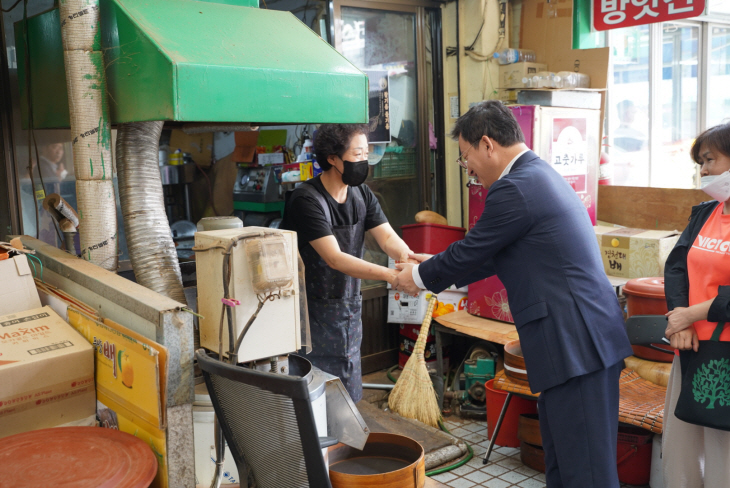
[[647, 330], [268, 422]]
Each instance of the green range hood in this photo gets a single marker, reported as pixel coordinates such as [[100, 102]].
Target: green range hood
[[199, 61]]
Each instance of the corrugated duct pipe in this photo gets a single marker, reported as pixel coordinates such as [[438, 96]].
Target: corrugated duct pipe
[[89, 109], [149, 240]]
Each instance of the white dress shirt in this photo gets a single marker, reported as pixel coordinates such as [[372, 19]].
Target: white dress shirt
[[416, 276]]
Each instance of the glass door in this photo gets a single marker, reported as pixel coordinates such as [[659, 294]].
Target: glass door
[[386, 42]]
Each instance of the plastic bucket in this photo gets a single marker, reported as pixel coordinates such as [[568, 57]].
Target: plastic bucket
[[517, 406], [633, 456], [431, 238]]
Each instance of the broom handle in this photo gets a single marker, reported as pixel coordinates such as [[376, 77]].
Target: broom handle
[[420, 346]]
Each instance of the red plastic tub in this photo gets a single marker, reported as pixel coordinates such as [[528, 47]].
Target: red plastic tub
[[517, 406], [634, 455], [431, 238]]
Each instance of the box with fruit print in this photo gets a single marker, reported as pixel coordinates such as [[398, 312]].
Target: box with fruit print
[[131, 375], [127, 368], [406, 309]]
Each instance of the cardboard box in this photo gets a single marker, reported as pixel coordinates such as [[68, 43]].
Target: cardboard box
[[18, 292], [200, 146], [46, 372], [266, 159], [405, 309], [411, 331], [508, 95], [581, 98], [634, 253], [510, 75]]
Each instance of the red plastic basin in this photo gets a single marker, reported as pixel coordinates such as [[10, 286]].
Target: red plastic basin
[[431, 238]]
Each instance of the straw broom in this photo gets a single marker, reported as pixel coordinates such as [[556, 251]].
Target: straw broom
[[413, 395]]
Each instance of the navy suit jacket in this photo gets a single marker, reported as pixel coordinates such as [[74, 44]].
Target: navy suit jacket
[[536, 236]]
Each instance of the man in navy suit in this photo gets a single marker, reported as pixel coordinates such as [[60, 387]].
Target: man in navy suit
[[536, 236]]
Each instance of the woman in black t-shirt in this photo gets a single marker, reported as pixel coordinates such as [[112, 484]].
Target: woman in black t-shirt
[[331, 214]]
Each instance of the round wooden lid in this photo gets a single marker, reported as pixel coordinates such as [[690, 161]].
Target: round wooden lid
[[81, 457]]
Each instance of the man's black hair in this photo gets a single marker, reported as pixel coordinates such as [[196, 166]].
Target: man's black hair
[[715, 139], [334, 140], [491, 119]]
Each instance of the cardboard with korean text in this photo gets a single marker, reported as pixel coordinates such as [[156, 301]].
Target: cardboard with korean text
[[131, 373], [46, 372], [634, 253]]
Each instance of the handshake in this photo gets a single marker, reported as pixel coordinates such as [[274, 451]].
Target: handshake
[[402, 276]]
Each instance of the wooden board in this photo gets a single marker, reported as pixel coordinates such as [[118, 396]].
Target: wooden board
[[481, 328], [647, 208], [379, 421]]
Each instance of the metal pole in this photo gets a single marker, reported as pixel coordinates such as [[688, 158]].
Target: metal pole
[[220, 452], [377, 386], [497, 427]]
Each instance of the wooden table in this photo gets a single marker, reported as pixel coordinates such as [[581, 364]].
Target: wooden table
[[461, 323]]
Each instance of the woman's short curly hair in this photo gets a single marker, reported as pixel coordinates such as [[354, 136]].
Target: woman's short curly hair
[[334, 140], [715, 138]]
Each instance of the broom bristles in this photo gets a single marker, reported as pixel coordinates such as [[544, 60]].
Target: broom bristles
[[413, 395]]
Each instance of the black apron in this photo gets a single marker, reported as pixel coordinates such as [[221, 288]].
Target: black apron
[[335, 301]]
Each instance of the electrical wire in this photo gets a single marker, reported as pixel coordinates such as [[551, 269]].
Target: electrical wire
[[31, 257], [30, 115], [470, 47], [32, 143], [11, 8]]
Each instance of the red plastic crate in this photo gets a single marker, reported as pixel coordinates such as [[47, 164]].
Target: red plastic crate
[[431, 238]]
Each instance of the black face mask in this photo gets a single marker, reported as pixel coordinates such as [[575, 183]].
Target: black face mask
[[355, 173]]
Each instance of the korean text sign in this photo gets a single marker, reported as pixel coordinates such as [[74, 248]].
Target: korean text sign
[[614, 14]]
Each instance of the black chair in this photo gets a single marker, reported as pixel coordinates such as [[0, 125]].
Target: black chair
[[648, 330], [268, 422]]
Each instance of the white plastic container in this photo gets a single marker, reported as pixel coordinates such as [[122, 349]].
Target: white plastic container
[[509, 56], [571, 79]]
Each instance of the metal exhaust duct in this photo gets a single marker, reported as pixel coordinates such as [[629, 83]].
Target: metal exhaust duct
[[151, 249]]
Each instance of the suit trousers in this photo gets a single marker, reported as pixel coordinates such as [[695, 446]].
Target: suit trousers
[[579, 428]]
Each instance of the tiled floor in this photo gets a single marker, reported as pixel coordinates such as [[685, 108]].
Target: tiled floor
[[505, 470]]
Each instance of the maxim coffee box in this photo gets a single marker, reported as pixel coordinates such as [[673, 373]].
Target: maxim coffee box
[[46, 372], [634, 253]]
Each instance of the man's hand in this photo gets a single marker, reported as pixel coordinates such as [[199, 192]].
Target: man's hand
[[404, 281], [684, 340], [679, 319], [419, 258]]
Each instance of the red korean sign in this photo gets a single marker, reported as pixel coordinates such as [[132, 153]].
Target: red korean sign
[[614, 14]]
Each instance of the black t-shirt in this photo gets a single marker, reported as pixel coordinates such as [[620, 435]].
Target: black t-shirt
[[310, 222]]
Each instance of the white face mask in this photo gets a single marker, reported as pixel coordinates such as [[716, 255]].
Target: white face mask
[[717, 186]]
